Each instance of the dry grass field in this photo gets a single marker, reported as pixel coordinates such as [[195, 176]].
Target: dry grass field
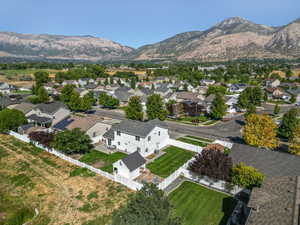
[[62, 193], [296, 72]]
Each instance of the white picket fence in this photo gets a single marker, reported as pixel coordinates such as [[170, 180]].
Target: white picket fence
[[123, 180], [190, 147]]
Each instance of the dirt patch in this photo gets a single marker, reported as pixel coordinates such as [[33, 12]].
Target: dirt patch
[[60, 199], [98, 164]]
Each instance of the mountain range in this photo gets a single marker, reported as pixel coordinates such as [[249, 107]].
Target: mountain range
[[233, 38]]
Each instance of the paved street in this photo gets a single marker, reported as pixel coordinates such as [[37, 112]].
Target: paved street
[[229, 130]]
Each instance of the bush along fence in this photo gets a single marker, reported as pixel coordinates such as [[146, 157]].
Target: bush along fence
[[117, 178]]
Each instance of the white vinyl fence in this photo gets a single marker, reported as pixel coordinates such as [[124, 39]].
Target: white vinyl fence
[[182, 171], [190, 147], [123, 180]]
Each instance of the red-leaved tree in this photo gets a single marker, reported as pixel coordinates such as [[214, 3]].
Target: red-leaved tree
[[42, 137], [212, 163]]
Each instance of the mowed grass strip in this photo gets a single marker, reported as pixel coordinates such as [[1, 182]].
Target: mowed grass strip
[[108, 159], [170, 161], [200, 138], [198, 205], [192, 142]]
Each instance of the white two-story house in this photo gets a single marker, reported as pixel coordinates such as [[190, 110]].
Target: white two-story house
[[144, 137]]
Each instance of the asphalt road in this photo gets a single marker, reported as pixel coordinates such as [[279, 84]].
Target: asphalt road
[[229, 130]]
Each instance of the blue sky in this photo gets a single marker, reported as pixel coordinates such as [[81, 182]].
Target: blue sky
[[137, 22]]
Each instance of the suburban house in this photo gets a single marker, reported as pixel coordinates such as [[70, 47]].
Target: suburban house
[[131, 166], [273, 83], [276, 202], [144, 137], [94, 126], [70, 82], [5, 88], [231, 102], [237, 88], [85, 81], [24, 107], [47, 114], [207, 82]]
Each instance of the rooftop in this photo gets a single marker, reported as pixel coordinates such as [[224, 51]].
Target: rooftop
[[274, 203], [134, 161]]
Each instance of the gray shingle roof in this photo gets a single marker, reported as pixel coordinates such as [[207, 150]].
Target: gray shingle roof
[[134, 161], [50, 108], [273, 203], [137, 128], [39, 119], [271, 163]]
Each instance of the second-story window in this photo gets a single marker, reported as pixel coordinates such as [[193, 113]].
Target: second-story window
[[149, 138], [118, 133], [137, 138]]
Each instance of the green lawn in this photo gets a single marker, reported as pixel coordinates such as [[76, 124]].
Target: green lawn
[[200, 139], [108, 159], [170, 161], [192, 142], [198, 205]]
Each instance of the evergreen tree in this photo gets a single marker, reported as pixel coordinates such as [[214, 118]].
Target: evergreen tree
[[218, 108], [156, 108], [134, 110], [288, 124]]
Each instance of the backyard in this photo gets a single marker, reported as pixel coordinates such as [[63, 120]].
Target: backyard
[[169, 162], [198, 205], [32, 179], [101, 160]]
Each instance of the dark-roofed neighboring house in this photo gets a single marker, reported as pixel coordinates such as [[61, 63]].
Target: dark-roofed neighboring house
[[24, 107], [144, 137], [277, 202], [56, 111], [131, 166], [5, 101], [123, 94], [271, 163]]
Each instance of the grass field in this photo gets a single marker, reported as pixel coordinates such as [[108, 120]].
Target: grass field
[[170, 161], [62, 193], [192, 142], [198, 205], [25, 71], [105, 160]]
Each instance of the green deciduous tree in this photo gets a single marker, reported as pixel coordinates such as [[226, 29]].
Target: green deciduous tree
[[133, 83], [260, 131], [156, 107], [218, 108], [134, 110], [108, 101], [276, 109], [11, 119], [43, 96], [288, 124], [149, 206], [66, 93], [72, 141], [246, 176], [251, 95], [294, 142]]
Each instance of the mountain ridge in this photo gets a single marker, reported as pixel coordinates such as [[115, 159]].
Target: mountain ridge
[[232, 38]]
